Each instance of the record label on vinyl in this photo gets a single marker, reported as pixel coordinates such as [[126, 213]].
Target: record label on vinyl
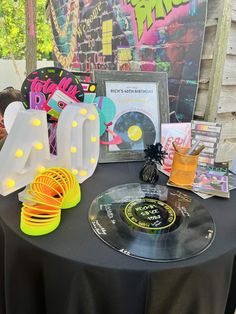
[[149, 214], [136, 130], [153, 223]]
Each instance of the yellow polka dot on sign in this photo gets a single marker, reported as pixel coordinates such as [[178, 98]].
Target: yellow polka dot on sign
[[10, 183], [135, 133], [92, 117], [75, 171], [38, 146], [83, 173], [93, 139], [36, 122], [83, 111], [92, 161], [73, 149], [19, 153], [92, 88], [74, 124], [41, 169]]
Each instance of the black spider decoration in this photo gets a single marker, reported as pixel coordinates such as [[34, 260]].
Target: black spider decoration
[[154, 156]]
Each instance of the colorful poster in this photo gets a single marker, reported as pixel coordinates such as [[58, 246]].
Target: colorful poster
[[134, 35]]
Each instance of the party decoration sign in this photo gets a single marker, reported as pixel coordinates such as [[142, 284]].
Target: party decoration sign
[[107, 110], [26, 149], [135, 35], [42, 83], [56, 103]]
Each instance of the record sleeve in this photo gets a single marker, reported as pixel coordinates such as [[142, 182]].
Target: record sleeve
[[151, 222]]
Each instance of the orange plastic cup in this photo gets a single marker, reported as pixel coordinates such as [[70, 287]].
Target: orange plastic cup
[[183, 168]]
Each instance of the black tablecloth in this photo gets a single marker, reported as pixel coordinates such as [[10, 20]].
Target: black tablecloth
[[71, 271]]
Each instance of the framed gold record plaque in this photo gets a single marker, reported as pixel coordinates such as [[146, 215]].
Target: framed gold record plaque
[[139, 104]]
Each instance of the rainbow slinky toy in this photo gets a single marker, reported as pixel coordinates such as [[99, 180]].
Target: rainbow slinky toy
[[51, 191]]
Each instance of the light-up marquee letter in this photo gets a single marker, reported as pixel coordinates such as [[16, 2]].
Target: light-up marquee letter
[[26, 150], [78, 139]]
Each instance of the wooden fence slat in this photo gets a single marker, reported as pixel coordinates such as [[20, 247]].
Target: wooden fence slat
[[201, 103], [205, 71], [213, 9], [226, 117], [228, 130], [209, 41], [226, 146], [229, 72], [234, 11], [231, 49], [219, 59], [227, 102]]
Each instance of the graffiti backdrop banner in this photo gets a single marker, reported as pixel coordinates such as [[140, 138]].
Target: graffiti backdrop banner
[[135, 35]]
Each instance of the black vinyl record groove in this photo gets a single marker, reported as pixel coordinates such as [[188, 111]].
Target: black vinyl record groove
[[153, 223]]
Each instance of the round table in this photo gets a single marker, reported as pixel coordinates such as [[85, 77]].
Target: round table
[[71, 271]]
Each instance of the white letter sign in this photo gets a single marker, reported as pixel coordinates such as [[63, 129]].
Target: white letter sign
[[26, 149]]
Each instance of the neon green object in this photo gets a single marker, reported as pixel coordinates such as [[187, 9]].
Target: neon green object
[[38, 229], [51, 191]]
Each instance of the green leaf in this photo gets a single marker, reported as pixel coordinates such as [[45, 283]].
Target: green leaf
[[13, 33]]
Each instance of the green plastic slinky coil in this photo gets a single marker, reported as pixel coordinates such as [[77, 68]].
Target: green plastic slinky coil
[[55, 189]]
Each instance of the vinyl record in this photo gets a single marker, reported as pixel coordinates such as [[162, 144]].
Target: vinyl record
[[136, 130], [152, 223]]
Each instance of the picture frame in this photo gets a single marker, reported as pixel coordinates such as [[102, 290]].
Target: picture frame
[[141, 103]]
